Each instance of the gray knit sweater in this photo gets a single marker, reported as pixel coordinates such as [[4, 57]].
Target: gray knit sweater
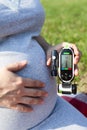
[[17, 28]]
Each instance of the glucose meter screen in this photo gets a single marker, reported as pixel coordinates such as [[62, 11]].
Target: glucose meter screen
[[67, 62]]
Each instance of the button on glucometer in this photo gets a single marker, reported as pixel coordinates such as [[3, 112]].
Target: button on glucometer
[[65, 74], [70, 76]]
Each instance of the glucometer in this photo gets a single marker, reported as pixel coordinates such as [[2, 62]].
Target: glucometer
[[66, 65], [63, 67]]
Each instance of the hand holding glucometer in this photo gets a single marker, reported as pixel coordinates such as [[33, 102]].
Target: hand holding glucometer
[[63, 67]]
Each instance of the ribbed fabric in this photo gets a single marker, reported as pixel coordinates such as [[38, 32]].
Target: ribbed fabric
[[63, 117], [17, 29], [79, 101]]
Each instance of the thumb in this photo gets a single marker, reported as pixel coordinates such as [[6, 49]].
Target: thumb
[[17, 66], [48, 61], [76, 71]]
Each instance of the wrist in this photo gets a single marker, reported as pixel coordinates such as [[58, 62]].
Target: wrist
[[49, 47], [43, 43]]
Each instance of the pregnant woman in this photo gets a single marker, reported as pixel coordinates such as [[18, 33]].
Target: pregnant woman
[[25, 102]]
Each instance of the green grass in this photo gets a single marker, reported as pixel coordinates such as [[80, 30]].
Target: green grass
[[66, 20]]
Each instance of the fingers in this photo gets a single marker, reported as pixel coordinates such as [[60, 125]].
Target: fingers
[[76, 59], [76, 71], [29, 92], [30, 101], [76, 52], [58, 48], [28, 87], [33, 92], [19, 107], [48, 61], [32, 83], [24, 100], [21, 103], [17, 66], [77, 56], [22, 108]]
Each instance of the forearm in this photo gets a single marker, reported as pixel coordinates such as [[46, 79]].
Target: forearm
[[42, 42]]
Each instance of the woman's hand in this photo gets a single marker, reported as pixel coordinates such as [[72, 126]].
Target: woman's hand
[[17, 92], [59, 47]]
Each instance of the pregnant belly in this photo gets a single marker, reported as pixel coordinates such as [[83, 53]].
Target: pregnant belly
[[8, 57], [36, 69]]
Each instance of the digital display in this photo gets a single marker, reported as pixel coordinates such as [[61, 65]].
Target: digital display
[[66, 62], [66, 65]]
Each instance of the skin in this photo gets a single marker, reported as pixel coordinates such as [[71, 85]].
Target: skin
[[17, 92], [20, 93], [48, 48]]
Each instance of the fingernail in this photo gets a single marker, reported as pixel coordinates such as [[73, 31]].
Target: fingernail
[[24, 62]]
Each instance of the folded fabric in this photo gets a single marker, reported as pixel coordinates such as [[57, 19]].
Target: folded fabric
[[79, 102]]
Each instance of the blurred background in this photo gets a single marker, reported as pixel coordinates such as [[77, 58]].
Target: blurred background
[[66, 20]]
